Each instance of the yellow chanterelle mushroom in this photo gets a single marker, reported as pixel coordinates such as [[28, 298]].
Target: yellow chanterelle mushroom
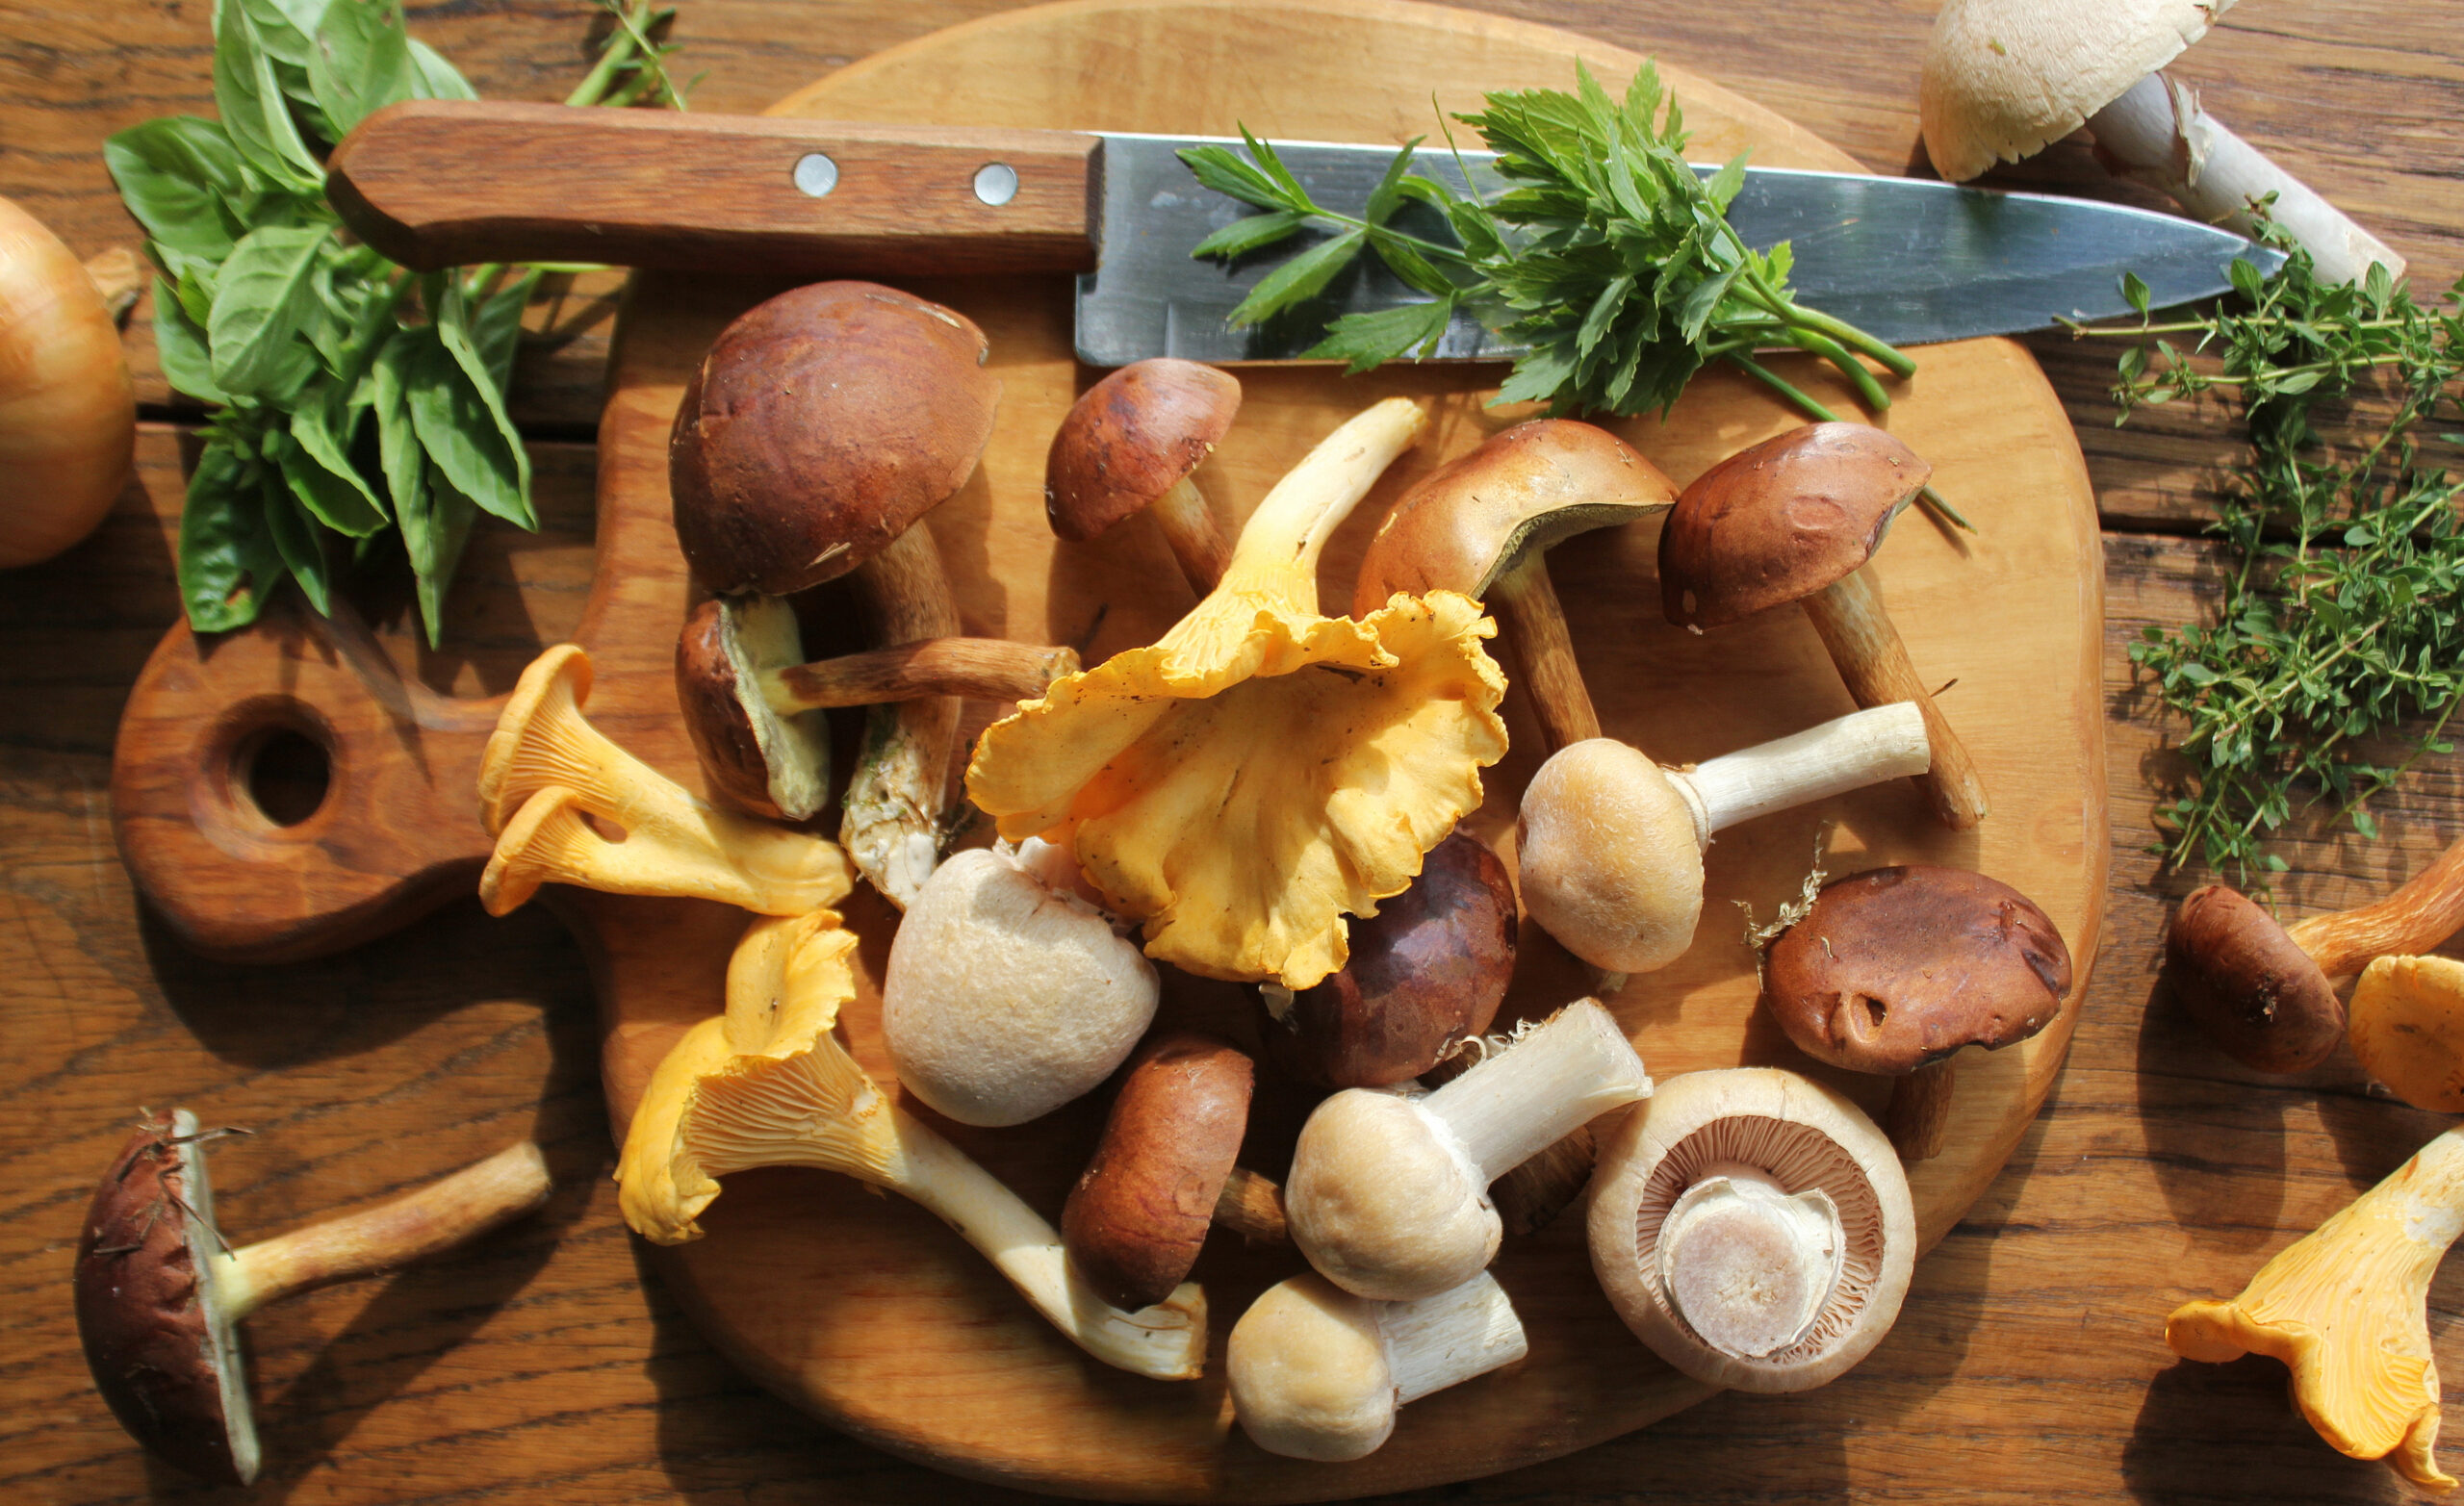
[[2347, 1308], [1263, 770]]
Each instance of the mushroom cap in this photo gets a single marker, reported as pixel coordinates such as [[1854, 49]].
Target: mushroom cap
[[1426, 973], [1611, 859], [820, 426], [1004, 998], [164, 1355], [1135, 1222], [1384, 1203], [1131, 438], [2407, 1029], [2249, 985], [1897, 967], [1777, 522], [1525, 490], [2004, 78], [1308, 1372], [757, 760], [1803, 1136]]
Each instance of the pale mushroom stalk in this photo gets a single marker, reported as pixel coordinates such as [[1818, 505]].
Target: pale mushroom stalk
[[1846, 753], [1538, 1089], [987, 669], [2346, 1309], [1277, 554], [1737, 1229], [1873, 662], [895, 812]]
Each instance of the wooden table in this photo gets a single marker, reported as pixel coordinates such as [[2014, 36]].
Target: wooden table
[[543, 1368]]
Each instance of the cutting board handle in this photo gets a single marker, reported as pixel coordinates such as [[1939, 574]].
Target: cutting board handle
[[396, 832]]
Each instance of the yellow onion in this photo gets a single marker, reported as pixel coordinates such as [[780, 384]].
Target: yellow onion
[[68, 411]]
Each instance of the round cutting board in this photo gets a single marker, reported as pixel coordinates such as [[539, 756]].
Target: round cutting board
[[870, 1315]]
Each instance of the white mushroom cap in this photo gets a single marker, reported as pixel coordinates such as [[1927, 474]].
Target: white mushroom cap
[[1309, 1373], [1610, 857], [1753, 1228], [1004, 998], [1385, 1201], [2003, 78]]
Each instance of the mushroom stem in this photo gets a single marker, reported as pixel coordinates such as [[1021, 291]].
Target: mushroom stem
[[1196, 540], [893, 809], [988, 669], [2157, 133], [1446, 1339], [1856, 630], [1748, 1266], [1536, 635], [1918, 1117], [1251, 1206], [469, 1202], [1845, 753], [2426, 912], [1542, 1187], [1560, 1076], [1277, 554]]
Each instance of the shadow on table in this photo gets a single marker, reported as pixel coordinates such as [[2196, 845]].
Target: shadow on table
[[2230, 1433]]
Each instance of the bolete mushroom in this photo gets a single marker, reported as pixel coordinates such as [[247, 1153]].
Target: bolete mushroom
[[1753, 1228], [767, 1085], [1318, 1374], [160, 1295], [1388, 1194], [548, 775], [1262, 771], [2261, 992], [2004, 78], [2407, 1029], [1481, 524], [2346, 1308], [1130, 444], [1795, 519], [1611, 844], [1165, 1173], [1894, 970]]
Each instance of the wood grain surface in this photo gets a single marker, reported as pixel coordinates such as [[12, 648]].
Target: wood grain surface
[[542, 1367]]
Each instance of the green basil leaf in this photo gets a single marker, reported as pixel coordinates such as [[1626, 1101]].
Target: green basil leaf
[[321, 475], [254, 108], [361, 62], [460, 425], [263, 295], [292, 529], [438, 79], [398, 441], [175, 175], [179, 345], [495, 328], [433, 533], [228, 563], [285, 33]]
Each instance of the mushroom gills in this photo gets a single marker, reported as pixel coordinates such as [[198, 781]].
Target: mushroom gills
[[1748, 1266]]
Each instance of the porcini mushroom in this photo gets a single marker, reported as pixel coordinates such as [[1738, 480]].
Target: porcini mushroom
[[1165, 1172], [1795, 519], [1319, 1373], [1130, 444], [1008, 994], [2407, 1029], [767, 1085], [159, 1296], [1611, 844], [1753, 1228], [2346, 1308], [1481, 524], [2261, 992], [1892, 971], [545, 769], [1243, 784], [2004, 78], [1388, 1193]]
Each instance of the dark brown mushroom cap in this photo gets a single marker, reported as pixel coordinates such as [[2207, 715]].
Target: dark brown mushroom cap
[[1427, 972], [1525, 489], [741, 742], [2257, 995], [1135, 1222], [1131, 438], [820, 426], [1778, 522], [1897, 967], [141, 1308]]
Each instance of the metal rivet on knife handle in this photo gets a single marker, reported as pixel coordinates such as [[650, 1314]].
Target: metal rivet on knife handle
[[996, 182], [816, 174]]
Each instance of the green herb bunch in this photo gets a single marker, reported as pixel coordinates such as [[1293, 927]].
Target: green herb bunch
[[349, 394], [1607, 255], [2343, 610]]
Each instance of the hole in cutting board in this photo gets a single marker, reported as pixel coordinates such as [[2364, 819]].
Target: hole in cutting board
[[286, 773]]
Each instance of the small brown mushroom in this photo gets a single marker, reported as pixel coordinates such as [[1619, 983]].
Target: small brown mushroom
[[1795, 519], [159, 1296], [2261, 992], [1130, 444], [1481, 524], [1895, 969], [1165, 1172]]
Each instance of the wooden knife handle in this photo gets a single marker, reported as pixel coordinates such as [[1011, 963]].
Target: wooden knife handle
[[441, 183]]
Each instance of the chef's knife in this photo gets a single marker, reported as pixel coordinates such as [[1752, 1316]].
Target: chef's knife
[[438, 184]]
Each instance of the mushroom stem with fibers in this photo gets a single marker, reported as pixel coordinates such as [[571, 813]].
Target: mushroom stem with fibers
[[2426, 911], [1845, 753], [1251, 1206], [1196, 540], [1856, 630], [1738, 1231], [1536, 635], [2157, 133], [988, 669], [893, 809], [1542, 1086], [1919, 1116]]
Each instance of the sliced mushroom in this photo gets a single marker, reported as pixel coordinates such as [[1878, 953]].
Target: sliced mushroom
[[1130, 444], [1753, 1228]]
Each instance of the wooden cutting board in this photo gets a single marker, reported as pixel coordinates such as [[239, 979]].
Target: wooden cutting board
[[866, 1311]]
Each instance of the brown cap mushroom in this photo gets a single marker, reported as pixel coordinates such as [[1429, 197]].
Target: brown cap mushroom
[[1164, 1172], [2003, 78], [1894, 970], [159, 1296], [1795, 519], [1753, 1228], [1481, 524], [1130, 443]]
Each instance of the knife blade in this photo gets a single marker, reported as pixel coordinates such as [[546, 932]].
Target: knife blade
[[446, 183]]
